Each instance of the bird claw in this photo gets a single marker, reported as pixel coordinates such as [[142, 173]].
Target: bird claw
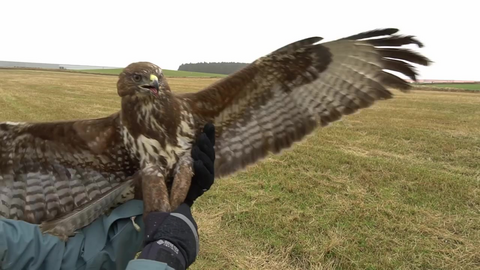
[[135, 225]]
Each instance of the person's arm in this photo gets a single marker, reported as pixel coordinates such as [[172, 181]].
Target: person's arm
[[23, 246], [172, 238]]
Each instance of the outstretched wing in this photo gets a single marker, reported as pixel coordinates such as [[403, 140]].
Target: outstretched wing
[[282, 97], [50, 169]]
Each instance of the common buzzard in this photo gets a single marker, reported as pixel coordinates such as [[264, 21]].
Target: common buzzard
[[65, 174]]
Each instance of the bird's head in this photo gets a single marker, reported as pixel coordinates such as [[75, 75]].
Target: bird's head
[[142, 79]]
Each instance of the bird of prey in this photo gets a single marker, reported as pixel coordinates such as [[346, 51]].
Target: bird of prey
[[63, 175]]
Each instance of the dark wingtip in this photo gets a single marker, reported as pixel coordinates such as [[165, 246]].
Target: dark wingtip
[[416, 41], [373, 33], [411, 40]]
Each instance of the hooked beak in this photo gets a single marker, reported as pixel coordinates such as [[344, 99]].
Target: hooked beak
[[154, 82], [154, 86]]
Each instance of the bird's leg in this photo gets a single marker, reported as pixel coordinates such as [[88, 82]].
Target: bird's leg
[[181, 181], [154, 190]]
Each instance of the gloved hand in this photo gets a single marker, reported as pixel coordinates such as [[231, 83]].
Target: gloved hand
[[203, 154], [172, 238]]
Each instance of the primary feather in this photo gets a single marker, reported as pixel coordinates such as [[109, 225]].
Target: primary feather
[[284, 96]]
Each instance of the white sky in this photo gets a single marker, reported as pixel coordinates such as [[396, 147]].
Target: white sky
[[168, 33]]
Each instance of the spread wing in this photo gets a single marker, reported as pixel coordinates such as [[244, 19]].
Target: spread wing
[[50, 169], [282, 97]]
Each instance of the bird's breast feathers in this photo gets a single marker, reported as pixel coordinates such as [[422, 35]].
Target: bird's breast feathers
[[161, 149]]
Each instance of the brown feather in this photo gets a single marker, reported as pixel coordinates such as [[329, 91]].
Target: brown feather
[[65, 226], [50, 169], [282, 97]]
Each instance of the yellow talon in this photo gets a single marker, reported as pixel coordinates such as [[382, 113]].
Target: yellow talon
[[137, 255], [135, 224]]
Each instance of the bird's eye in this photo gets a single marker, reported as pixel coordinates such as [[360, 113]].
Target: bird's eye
[[137, 77]]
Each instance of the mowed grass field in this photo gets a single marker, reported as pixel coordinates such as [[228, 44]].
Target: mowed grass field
[[467, 86], [396, 186]]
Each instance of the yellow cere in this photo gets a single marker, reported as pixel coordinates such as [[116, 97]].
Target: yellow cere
[[153, 77]]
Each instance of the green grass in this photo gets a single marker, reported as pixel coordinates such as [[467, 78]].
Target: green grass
[[396, 186], [168, 73], [468, 86]]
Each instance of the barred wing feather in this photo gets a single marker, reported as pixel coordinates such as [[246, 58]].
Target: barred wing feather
[[50, 169], [284, 96]]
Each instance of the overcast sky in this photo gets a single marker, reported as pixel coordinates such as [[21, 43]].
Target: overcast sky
[[169, 33]]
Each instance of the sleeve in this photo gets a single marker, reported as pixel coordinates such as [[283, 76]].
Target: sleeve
[[147, 265], [24, 246], [110, 242]]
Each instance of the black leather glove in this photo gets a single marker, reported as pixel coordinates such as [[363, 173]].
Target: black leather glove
[[172, 238], [203, 154]]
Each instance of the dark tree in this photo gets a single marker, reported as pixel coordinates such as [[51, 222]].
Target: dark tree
[[213, 67]]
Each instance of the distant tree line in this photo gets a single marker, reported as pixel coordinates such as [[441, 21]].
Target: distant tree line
[[213, 67]]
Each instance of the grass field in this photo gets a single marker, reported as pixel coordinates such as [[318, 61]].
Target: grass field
[[468, 86], [168, 73], [396, 186]]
